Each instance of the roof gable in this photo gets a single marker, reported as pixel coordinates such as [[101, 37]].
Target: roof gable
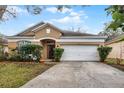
[[36, 28]]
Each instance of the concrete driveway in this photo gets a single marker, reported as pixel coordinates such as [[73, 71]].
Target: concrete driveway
[[78, 75]]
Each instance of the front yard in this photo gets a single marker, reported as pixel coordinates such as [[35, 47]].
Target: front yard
[[16, 74]]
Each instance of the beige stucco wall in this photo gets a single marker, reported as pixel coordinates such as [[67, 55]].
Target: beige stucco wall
[[54, 33], [117, 50], [12, 45], [42, 33], [37, 43]]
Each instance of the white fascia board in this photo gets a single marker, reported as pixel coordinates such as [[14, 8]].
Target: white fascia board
[[81, 40], [80, 37]]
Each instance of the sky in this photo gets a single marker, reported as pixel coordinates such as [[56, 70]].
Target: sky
[[89, 19]]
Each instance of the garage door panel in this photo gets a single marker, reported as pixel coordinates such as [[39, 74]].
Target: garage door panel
[[80, 53]]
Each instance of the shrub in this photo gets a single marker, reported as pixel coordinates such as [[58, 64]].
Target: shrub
[[29, 51], [26, 53], [3, 56], [16, 57], [37, 54], [103, 52], [58, 54]]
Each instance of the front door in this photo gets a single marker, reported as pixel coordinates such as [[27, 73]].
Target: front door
[[48, 48], [50, 51]]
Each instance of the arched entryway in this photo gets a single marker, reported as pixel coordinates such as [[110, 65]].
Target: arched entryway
[[48, 48]]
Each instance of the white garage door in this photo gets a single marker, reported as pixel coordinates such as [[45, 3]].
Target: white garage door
[[80, 53]]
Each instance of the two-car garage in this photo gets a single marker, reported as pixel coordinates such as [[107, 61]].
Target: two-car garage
[[80, 53], [81, 48]]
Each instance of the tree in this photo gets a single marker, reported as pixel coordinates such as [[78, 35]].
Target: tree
[[2, 10], [32, 9], [7, 13], [117, 13], [110, 33]]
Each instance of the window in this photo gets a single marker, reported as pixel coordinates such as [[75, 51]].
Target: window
[[23, 42], [48, 30]]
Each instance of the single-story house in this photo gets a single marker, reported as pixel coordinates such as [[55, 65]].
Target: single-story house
[[117, 45], [77, 46]]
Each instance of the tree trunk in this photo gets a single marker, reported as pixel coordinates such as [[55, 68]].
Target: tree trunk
[[2, 10]]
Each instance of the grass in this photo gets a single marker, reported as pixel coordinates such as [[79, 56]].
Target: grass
[[113, 62], [13, 75]]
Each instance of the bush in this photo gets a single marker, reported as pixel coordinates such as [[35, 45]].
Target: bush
[[16, 57], [58, 54], [3, 56], [103, 52], [30, 51]]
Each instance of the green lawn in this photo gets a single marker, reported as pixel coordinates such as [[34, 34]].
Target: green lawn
[[14, 75]]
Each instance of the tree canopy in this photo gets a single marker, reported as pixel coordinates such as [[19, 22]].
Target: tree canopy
[[7, 13], [117, 13]]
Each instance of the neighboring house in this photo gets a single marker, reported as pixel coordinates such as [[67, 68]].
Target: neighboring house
[[77, 46], [117, 45]]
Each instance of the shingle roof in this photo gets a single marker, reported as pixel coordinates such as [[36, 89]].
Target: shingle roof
[[116, 39], [72, 33]]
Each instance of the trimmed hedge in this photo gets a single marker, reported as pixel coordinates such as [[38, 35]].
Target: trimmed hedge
[[103, 52], [58, 54]]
